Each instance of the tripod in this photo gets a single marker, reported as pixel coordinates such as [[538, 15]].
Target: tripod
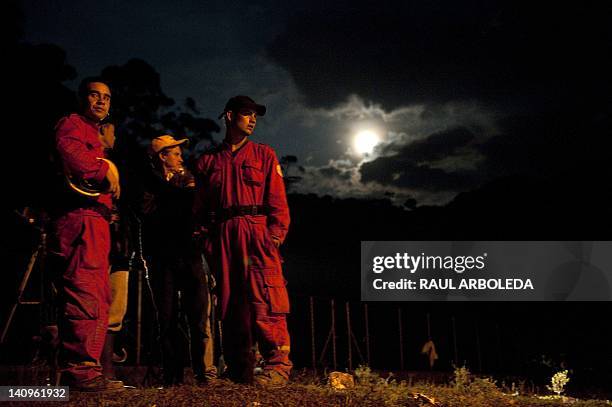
[[138, 262], [38, 255]]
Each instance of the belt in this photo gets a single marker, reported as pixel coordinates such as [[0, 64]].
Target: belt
[[234, 211]]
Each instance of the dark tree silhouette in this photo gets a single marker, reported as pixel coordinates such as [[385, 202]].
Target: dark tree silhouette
[[36, 98], [142, 110]]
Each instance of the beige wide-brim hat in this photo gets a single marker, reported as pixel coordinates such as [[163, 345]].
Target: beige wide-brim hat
[[165, 141]]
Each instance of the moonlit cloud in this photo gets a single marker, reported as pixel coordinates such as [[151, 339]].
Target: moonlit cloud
[[439, 142]]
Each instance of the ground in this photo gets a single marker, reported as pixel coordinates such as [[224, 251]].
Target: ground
[[308, 391]]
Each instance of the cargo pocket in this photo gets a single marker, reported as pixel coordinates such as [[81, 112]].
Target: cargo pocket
[[84, 309], [94, 244], [276, 289], [252, 173]]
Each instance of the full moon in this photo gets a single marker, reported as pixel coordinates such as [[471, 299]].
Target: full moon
[[365, 141]]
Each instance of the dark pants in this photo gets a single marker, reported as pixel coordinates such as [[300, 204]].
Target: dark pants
[[181, 290]]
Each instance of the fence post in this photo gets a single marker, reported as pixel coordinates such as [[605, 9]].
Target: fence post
[[456, 353], [312, 336], [333, 321], [429, 334], [139, 318], [349, 336], [500, 363], [401, 338], [478, 351], [367, 333]]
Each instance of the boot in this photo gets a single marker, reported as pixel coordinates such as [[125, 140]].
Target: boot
[[98, 384], [271, 378], [106, 359]]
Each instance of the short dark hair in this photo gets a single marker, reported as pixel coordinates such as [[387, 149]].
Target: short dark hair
[[84, 85]]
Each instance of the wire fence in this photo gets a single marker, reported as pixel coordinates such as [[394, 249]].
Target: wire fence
[[334, 334]]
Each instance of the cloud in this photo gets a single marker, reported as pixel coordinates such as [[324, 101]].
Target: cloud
[[333, 172], [389, 171], [346, 183], [461, 93], [427, 154], [412, 165], [431, 153], [507, 54], [434, 147], [341, 179]]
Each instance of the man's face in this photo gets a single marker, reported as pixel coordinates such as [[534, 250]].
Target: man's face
[[97, 102], [245, 120], [172, 158]]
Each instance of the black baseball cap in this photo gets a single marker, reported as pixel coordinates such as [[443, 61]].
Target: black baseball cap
[[243, 102]]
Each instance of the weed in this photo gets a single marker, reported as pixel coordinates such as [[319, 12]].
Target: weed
[[462, 378], [558, 382]]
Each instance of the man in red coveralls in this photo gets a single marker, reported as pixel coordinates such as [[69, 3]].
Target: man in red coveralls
[[241, 202], [80, 242]]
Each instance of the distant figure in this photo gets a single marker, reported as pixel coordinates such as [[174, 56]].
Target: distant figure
[[178, 275], [120, 255], [242, 206], [80, 241]]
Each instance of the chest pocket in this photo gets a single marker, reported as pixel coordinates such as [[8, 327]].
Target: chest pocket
[[215, 175], [252, 173]]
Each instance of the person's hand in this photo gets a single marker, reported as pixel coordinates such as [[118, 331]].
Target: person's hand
[[276, 241], [173, 172], [199, 232]]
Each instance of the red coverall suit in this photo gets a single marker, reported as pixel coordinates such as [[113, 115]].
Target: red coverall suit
[[241, 197], [81, 242]]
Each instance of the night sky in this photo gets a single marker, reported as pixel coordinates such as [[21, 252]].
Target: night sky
[[492, 120], [459, 93]]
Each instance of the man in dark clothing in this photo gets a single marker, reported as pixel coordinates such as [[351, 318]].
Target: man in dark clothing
[[79, 242], [176, 264], [242, 204], [120, 255]]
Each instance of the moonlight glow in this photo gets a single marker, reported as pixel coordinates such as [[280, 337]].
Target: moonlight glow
[[365, 141]]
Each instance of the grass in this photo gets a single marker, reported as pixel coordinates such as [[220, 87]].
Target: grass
[[305, 390]]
